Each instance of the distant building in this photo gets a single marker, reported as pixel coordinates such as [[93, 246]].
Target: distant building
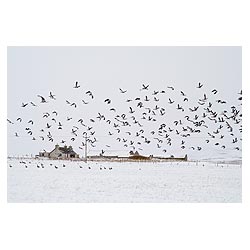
[[60, 153], [136, 156], [133, 153]]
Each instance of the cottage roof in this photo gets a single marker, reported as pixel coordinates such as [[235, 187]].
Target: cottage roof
[[65, 150]]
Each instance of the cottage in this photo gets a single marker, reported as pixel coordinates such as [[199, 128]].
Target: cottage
[[136, 156], [60, 153]]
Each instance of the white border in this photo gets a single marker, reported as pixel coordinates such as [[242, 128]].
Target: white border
[[124, 226]]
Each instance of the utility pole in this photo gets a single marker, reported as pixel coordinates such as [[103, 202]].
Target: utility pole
[[86, 148]]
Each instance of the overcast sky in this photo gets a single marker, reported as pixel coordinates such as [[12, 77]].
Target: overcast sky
[[36, 71]]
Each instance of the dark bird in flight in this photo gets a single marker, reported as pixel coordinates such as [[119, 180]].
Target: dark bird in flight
[[204, 99], [90, 94], [144, 87], [84, 102], [52, 96], [24, 105], [108, 101], [194, 109], [169, 87], [42, 99], [46, 115], [122, 91], [10, 121], [170, 101], [33, 104], [180, 107], [220, 101], [73, 104], [131, 111], [214, 91], [76, 85], [199, 85]]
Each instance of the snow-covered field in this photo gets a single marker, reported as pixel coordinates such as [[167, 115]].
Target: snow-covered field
[[65, 181]]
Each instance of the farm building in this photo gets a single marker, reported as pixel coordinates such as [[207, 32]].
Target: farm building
[[60, 153]]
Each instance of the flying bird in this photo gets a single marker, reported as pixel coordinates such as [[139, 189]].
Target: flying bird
[[199, 85], [84, 102], [52, 96], [24, 105], [10, 121], [42, 99], [76, 85], [144, 87], [33, 104], [170, 87], [131, 111], [90, 94], [108, 101], [122, 91], [170, 101]]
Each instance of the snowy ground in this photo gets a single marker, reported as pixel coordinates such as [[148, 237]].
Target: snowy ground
[[64, 181]]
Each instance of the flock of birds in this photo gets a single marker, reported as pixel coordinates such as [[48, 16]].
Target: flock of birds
[[25, 163], [145, 121]]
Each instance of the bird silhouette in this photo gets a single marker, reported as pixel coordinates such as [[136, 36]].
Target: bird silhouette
[[108, 101], [144, 87], [43, 100], [84, 102], [122, 91], [170, 101], [199, 85], [76, 85], [10, 121], [170, 87], [33, 104], [24, 105], [90, 94], [52, 96]]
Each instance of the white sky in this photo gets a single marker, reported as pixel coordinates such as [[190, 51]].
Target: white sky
[[36, 71]]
